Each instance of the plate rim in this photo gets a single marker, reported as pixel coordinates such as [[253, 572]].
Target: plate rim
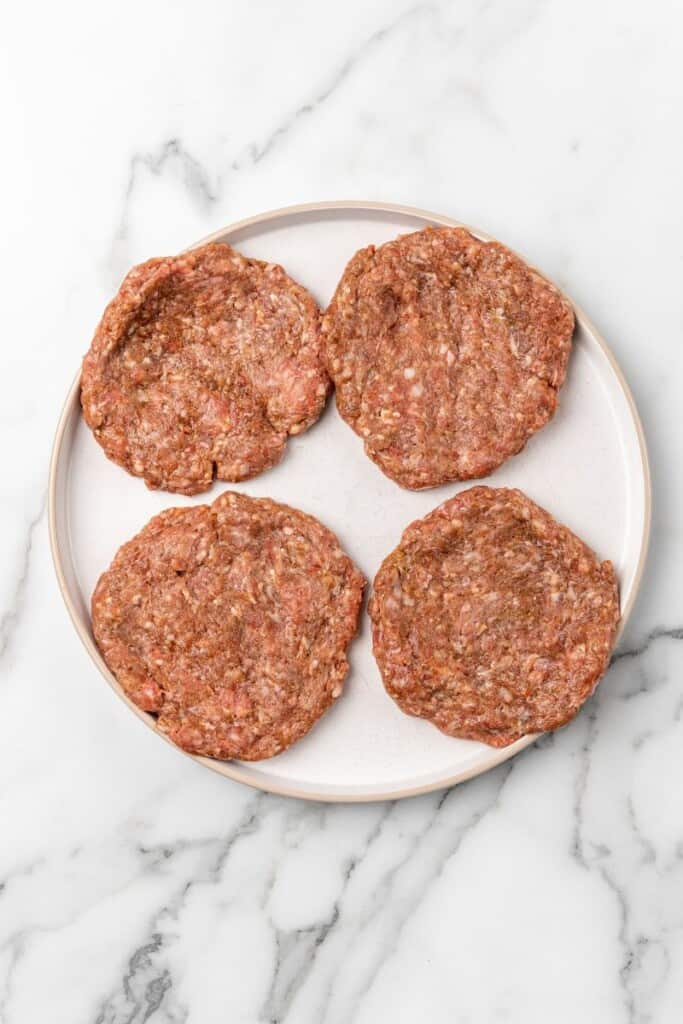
[[233, 769]]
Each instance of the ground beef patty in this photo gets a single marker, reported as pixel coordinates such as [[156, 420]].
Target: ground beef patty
[[446, 352], [201, 367], [491, 620], [230, 622]]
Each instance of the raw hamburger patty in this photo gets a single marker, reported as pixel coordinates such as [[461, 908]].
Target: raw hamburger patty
[[446, 352], [230, 622], [201, 367], [492, 620]]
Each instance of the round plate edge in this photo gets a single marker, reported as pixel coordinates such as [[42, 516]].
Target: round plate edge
[[232, 770]]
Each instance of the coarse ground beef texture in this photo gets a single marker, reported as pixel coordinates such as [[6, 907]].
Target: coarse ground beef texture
[[201, 367], [492, 620], [230, 622], [447, 354]]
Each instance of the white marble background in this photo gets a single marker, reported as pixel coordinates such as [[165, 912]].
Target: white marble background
[[136, 886]]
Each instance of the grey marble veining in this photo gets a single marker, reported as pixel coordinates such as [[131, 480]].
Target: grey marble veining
[[134, 885]]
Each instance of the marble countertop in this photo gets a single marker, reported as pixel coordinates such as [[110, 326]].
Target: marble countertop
[[137, 886]]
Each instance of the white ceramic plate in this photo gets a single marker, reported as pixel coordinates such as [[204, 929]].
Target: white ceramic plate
[[588, 467]]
